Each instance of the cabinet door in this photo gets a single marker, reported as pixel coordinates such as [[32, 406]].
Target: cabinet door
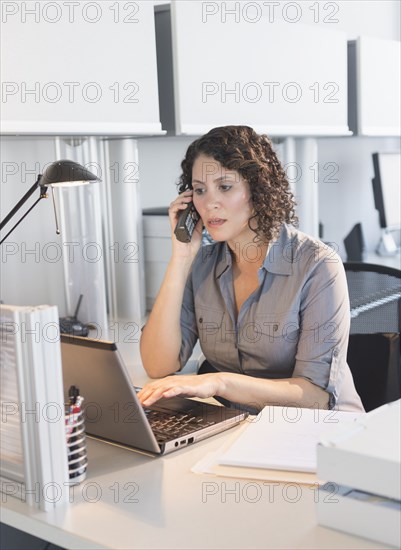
[[79, 68], [378, 86], [234, 63]]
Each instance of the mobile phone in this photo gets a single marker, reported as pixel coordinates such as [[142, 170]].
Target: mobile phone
[[186, 223]]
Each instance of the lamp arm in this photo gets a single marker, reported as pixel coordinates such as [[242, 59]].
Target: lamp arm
[[20, 203], [43, 195]]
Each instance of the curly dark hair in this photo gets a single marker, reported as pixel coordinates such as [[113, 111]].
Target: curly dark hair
[[240, 148]]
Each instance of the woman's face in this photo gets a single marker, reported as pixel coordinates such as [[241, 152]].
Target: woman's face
[[222, 198]]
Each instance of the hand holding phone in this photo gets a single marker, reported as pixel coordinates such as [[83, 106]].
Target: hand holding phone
[[186, 224]]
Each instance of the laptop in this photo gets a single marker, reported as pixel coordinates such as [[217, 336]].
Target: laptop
[[113, 412]]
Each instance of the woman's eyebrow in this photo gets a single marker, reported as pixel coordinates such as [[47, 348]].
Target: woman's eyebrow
[[229, 177]]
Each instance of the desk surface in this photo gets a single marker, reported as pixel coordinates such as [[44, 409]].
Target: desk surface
[[133, 501]]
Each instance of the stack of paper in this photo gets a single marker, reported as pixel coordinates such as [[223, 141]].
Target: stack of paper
[[33, 444], [279, 445]]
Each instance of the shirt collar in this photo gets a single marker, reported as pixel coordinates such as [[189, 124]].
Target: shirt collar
[[224, 260], [281, 252], [279, 257]]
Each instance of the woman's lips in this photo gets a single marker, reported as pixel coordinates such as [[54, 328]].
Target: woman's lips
[[215, 222]]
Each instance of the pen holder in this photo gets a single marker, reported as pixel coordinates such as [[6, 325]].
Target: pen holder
[[76, 443]]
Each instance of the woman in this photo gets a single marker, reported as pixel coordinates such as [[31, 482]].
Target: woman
[[268, 303]]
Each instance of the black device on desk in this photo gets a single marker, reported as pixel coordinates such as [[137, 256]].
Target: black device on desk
[[354, 244], [71, 325]]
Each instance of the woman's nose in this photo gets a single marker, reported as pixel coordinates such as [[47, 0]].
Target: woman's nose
[[212, 201]]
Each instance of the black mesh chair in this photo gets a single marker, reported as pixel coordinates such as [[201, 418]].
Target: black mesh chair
[[374, 351]]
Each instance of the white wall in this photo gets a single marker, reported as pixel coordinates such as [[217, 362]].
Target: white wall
[[159, 168], [380, 18], [31, 263]]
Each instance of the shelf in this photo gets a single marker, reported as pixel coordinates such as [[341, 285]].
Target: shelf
[[215, 73], [89, 71]]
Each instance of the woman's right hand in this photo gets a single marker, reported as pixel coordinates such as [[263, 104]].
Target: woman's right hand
[[176, 207]]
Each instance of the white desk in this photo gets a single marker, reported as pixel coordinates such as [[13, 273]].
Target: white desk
[[175, 508]]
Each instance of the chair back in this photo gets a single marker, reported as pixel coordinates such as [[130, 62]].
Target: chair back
[[374, 350]]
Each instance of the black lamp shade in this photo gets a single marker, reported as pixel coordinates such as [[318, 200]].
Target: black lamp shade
[[66, 172]]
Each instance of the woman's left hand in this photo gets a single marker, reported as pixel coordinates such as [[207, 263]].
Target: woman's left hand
[[203, 385]]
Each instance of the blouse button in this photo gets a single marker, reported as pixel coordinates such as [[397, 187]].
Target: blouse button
[[201, 319]]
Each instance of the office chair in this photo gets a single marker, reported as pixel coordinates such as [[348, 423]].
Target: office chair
[[374, 350]]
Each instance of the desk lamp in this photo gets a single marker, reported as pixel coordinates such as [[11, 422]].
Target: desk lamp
[[62, 173]]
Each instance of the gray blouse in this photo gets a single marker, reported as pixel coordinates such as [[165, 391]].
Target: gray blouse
[[295, 324]]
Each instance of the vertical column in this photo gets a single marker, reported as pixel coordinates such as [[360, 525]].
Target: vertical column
[[125, 251], [307, 187], [289, 162], [81, 233]]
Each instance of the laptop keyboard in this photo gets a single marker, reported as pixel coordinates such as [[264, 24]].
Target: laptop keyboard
[[168, 426]]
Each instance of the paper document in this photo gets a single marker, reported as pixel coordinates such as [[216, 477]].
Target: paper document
[[209, 464], [283, 438]]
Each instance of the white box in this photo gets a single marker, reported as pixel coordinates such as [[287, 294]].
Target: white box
[[362, 465], [360, 513], [157, 243], [366, 456]]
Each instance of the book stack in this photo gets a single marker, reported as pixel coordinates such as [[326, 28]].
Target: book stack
[[33, 455], [363, 466]]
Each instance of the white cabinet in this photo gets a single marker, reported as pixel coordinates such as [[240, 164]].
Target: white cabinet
[[73, 68], [231, 64], [157, 243], [375, 84]]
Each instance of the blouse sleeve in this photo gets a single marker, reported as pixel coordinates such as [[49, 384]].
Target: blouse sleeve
[[189, 329], [321, 355]]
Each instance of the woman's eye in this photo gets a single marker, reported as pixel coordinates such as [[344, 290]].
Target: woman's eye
[[198, 191], [225, 187]]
